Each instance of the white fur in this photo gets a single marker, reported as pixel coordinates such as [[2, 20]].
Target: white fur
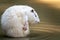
[[14, 18]]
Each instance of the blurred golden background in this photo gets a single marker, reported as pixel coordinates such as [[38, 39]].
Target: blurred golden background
[[48, 10], [49, 13]]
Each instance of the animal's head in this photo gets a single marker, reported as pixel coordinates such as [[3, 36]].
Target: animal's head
[[32, 15], [29, 12]]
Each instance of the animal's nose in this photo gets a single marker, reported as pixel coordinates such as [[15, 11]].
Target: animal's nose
[[38, 22]]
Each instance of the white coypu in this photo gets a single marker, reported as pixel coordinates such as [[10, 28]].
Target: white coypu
[[15, 20]]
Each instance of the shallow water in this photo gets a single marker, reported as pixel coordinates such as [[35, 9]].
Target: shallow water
[[42, 31]]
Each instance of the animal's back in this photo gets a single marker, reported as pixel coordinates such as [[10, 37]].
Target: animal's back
[[11, 21]]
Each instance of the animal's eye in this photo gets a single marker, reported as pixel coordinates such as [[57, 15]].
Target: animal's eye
[[32, 10], [34, 13]]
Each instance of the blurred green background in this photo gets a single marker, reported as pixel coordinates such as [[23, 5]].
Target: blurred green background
[[48, 28]]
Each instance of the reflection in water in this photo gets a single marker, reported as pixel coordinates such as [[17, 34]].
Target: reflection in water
[[14, 38], [40, 32]]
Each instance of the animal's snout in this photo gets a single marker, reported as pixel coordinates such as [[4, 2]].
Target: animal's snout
[[37, 21]]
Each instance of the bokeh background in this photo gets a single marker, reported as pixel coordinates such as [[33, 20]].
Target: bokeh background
[[49, 14]]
